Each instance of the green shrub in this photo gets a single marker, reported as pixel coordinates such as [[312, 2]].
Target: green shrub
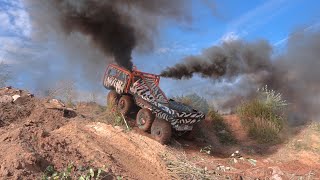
[[264, 116], [221, 129], [114, 117], [69, 173]]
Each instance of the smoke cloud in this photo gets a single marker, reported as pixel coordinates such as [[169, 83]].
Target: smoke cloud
[[116, 27], [226, 61], [250, 65]]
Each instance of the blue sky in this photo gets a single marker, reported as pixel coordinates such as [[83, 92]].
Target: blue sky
[[272, 20], [212, 23]]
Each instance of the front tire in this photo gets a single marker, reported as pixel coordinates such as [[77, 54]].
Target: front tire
[[125, 104], [144, 119], [161, 130], [112, 98]]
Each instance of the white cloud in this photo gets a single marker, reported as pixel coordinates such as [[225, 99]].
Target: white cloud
[[162, 50], [312, 27], [21, 22], [15, 26], [258, 15], [178, 48], [4, 21], [14, 19], [14, 49], [230, 36], [254, 19]]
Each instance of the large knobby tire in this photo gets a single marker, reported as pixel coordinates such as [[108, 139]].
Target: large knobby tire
[[144, 119], [161, 130], [112, 98], [125, 104]]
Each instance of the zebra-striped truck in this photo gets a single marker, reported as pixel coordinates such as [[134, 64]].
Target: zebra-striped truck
[[156, 113]]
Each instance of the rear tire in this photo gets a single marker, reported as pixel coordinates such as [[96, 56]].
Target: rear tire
[[125, 104], [145, 119], [112, 98], [161, 131]]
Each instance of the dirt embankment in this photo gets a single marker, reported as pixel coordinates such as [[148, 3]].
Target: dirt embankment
[[33, 138]]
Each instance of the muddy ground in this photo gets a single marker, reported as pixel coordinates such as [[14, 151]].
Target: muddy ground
[[33, 138]]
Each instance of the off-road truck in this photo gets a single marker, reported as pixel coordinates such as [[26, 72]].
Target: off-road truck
[[156, 113]]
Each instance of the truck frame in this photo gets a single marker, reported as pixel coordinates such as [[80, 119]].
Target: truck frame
[[157, 114]]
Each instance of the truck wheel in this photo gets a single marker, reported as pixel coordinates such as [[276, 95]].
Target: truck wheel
[[144, 119], [112, 98], [125, 105], [161, 130]]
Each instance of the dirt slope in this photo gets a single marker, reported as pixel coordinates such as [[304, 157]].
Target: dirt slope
[[33, 138]]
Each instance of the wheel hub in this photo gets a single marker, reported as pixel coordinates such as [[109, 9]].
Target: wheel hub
[[142, 119], [121, 104]]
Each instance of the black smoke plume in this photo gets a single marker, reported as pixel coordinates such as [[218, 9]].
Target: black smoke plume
[[226, 61], [116, 27], [294, 72]]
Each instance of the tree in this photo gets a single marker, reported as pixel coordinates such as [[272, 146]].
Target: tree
[[65, 90], [4, 74]]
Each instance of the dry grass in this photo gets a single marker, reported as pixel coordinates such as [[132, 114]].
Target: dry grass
[[180, 167], [309, 139], [220, 128], [64, 90], [112, 116], [264, 116]]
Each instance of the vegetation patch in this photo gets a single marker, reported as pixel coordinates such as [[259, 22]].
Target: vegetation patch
[[221, 129], [264, 116], [112, 116], [181, 168], [71, 172]]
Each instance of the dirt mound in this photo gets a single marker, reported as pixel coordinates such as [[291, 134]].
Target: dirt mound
[[14, 111], [34, 137]]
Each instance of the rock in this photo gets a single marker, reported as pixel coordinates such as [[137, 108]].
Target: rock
[[30, 95], [56, 103], [21, 100], [6, 99], [15, 97]]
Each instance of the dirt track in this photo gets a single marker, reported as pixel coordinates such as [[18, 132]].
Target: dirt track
[[33, 138]]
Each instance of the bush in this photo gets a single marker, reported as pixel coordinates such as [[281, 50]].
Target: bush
[[65, 90], [264, 116], [221, 129], [112, 116], [70, 173], [195, 101]]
